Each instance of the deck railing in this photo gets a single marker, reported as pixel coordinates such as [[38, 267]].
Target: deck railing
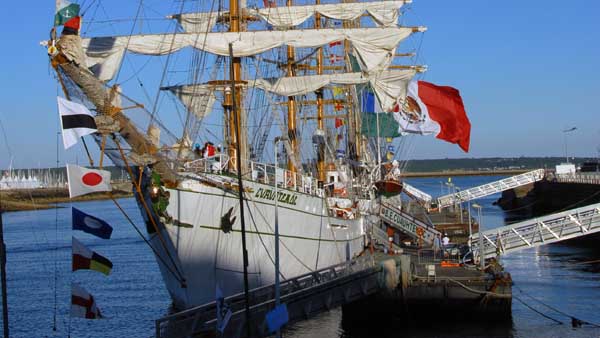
[[258, 172], [581, 178]]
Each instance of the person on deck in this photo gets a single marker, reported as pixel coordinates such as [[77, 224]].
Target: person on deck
[[437, 243], [197, 150], [445, 240], [209, 150], [394, 173]]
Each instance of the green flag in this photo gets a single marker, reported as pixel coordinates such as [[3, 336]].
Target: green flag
[[65, 11], [388, 127]]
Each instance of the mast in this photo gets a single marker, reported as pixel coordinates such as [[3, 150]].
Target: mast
[[291, 116], [235, 125], [353, 116], [320, 122], [3, 275], [233, 102]]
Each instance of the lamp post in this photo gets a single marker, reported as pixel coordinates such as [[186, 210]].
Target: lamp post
[[451, 190], [480, 236], [277, 287], [565, 138], [470, 224]]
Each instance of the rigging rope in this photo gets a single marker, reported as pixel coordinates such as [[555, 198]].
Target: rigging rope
[[147, 209], [144, 238]]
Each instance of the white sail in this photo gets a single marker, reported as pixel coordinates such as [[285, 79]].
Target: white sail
[[198, 22], [389, 86], [199, 100], [373, 46], [384, 13]]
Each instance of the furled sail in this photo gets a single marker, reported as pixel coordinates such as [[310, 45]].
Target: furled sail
[[390, 86], [384, 13], [198, 100], [374, 46], [198, 22]]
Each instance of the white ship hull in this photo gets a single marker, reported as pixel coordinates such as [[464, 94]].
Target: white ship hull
[[207, 256]]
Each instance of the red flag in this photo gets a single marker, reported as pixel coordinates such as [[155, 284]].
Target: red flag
[[432, 109], [339, 122], [338, 106], [335, 43], [74, 23], [83, 304]]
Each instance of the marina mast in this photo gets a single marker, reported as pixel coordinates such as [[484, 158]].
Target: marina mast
[[3, 276]]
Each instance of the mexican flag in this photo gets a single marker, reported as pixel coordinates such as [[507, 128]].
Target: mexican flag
[[65, 11]]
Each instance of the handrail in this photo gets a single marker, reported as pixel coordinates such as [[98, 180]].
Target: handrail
[[259, 172], [203, 317]]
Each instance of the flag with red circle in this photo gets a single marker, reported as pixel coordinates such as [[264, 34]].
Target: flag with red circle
[[84, 181]]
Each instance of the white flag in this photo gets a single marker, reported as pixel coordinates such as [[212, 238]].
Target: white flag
[[75, 120], [84, 181]]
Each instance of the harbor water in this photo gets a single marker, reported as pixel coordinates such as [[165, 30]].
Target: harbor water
[[133, 295]]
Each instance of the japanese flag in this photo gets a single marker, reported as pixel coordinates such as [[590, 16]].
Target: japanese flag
[[84, 181]]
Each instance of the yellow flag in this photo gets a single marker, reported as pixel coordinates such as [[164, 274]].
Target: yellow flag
[[337, 91]]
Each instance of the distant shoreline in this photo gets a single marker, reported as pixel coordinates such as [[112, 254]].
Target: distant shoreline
[[48, 198], [448, 173]]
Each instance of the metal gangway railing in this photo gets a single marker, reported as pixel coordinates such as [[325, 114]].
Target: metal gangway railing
[[539, 231], [417, 194], [490, 188], [304, 296], [407, 223]]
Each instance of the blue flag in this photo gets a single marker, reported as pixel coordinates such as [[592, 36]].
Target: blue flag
[[277, 318], [368, 101], [90, 224]]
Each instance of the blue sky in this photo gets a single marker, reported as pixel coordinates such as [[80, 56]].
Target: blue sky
[[526, 70]]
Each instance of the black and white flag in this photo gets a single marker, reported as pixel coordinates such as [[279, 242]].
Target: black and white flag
[[76, 121]]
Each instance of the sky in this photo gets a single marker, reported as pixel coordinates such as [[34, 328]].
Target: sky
[[526, 71]]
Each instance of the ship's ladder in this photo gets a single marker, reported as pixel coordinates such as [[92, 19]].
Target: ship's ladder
[[407, 224], [539, 231], [490, 188]]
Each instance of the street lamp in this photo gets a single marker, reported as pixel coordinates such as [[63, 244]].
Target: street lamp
[[480, 236], [470, 224], [277, 287], [565, 138]]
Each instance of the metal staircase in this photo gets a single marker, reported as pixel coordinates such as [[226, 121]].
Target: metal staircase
[[490, 188], [539, 231], [407, 223]]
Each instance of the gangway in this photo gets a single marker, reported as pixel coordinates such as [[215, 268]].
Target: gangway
[[417, 194], [490, 188], [539, 231], [304, 296], [407, 223]]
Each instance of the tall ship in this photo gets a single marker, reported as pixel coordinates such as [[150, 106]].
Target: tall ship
[[261, 109]]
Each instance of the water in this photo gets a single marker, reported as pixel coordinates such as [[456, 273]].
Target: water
[[133, 296]]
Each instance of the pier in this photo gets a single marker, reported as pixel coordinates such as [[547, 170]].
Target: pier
[[408, 281], [465, 280]]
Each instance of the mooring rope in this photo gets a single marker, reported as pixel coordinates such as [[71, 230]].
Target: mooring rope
[[536, 311], [574, 320]]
